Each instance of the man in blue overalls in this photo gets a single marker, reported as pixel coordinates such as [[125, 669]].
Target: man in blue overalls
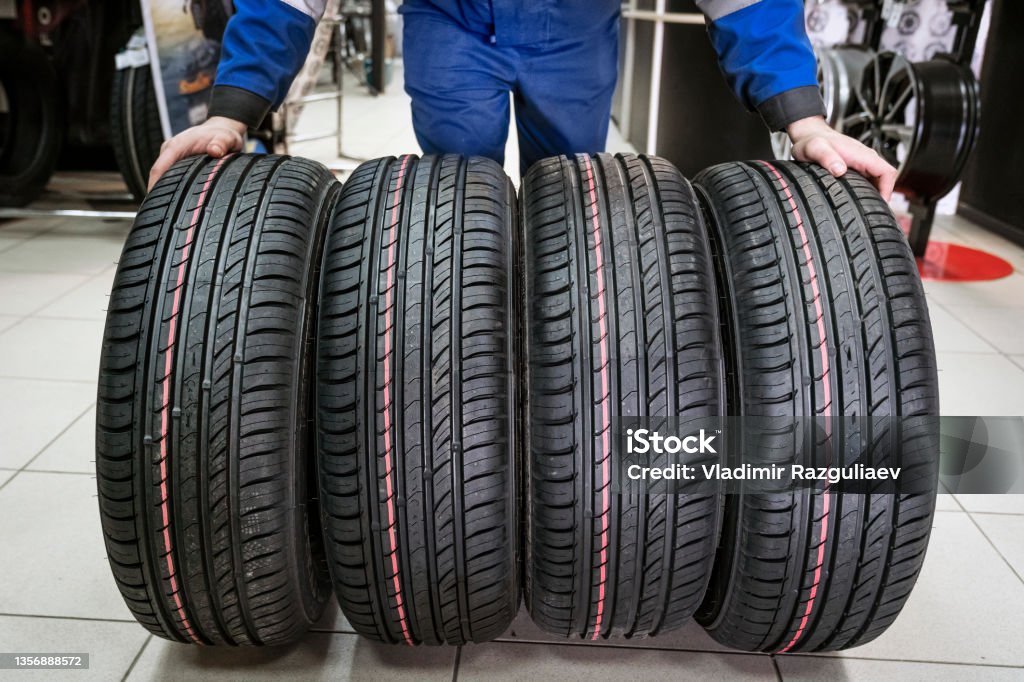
[[559, 60]]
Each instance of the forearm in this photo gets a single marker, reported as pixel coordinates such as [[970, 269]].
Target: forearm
[[767, 59], [264, 47]]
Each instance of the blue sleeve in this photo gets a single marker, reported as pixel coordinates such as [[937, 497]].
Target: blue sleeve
[[767, 59], [265, 45]]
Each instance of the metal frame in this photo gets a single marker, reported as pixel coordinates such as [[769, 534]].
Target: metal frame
[[659, 16], [344, 162], [967, 16], [378, 50], [12, 213]]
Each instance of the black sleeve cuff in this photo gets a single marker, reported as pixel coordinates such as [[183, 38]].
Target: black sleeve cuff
[[792, 105], [238, 104]]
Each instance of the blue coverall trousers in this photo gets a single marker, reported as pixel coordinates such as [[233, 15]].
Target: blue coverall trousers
[[460, 81]]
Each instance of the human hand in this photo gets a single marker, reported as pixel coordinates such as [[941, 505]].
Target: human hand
[[217, 136], [814, 140]]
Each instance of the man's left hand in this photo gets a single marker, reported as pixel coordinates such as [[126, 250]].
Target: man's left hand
[[814, 140]]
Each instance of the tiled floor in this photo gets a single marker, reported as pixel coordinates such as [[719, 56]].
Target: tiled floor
[[56, 594]]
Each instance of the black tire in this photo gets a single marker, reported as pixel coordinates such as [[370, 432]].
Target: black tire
[[31, 130], [418, 448], [204, 452], [622, 321], [828, 320], [135, 129]]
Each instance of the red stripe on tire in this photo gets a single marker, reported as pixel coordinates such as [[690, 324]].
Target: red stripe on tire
[[165, 411], [388, 454], [827, 409], [602, 325]]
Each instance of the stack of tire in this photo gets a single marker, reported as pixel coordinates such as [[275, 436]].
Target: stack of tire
[[31, 120], [267, 330], [408, 387], [136, 135], [766, 290]]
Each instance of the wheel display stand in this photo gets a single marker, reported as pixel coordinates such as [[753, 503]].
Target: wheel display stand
[[292, 107], [922, 117], [967, 18]]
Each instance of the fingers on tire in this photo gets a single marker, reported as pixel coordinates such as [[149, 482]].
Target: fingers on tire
[[417, 438], [205, 389], [622, 319], [828, 319]]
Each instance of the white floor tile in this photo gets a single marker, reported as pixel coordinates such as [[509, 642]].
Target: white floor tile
[[75, 227], [820, 668], [41, 348], [993, 504], [87, 302], [983, 239], [952, 335], [945, 502], [22, 293], [27, 227], [617, 143], [315, 657], [6, 475], [74, 450], [1006, 532], [531, 662], [33, 413], [942, 232], [978, 384], [1001, 327], [1019, 359], [8, 321], [111, 646], [953, 614], [1007, 292], [8, 241], [54, 562], [63, 254]]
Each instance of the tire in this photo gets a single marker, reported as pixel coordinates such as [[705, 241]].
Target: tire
[[623, 320], [418, 448], [827, 319], [31, 129], [204, 453], [135, 128]]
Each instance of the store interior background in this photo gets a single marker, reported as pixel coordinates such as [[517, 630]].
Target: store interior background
[[56, 593]]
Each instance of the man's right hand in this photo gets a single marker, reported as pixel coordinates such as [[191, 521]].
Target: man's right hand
[[216, 137]]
